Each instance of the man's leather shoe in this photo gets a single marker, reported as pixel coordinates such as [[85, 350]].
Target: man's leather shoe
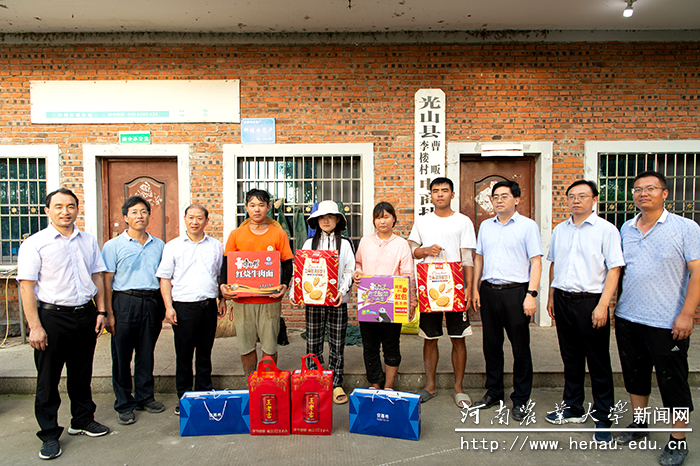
[[486, 402]]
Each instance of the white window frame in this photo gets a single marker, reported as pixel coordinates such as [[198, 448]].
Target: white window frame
[[50, 152], [233, 151]]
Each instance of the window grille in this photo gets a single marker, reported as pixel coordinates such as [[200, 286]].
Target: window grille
[[302, 180], [22, 194], [617, 172]]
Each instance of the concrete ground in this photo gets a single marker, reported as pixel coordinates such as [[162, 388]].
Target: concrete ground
[[154, 438]]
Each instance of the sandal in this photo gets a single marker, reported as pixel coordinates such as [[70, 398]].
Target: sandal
[[339, 396]]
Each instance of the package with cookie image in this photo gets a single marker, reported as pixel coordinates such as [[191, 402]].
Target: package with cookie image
[[440, 287], [315, 277], [383, 298]]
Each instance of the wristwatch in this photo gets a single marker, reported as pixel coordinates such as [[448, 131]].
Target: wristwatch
[[532, 293], [103, 314]]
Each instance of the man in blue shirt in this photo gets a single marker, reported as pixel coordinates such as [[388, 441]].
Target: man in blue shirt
[[586, 256], [654, 315], [135, 309], [507, 266]]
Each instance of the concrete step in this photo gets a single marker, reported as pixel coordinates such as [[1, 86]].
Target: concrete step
[[18, 374]]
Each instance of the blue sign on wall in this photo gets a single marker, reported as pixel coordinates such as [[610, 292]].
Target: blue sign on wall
[[257, 130]]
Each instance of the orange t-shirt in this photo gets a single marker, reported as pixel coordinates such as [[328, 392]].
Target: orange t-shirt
[[274, 239]]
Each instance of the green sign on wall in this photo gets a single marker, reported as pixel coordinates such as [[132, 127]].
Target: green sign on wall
[[134, 137]]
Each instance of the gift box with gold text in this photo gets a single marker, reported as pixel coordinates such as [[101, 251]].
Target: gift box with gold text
[[270, 398], [312, 399]]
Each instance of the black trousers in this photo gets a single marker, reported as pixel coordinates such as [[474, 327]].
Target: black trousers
[[377, 335], [71, 338], [503, 310], [579, 343], [137, 325], [194, 337]]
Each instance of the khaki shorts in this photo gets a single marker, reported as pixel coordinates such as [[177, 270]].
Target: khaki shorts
[[257, 322]]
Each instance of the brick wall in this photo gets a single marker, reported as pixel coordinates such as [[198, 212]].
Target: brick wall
[[566, 93]]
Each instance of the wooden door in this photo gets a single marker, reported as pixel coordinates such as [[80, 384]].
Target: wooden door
[[153, 179], [478, 175]]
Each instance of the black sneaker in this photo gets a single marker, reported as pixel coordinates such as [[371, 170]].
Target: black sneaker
[[670, 456], [603, 436], [126, 418], [563, 417], [50, 449], [623, 438], [94, 429], [177, 409], [152, 407]]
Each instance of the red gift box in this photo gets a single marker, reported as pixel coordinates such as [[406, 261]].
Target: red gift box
[[315, 277], [253, 273], [269, 390], [312, 399], [440, 287]]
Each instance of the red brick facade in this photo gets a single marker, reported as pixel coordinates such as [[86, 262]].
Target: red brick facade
[[566, 93]]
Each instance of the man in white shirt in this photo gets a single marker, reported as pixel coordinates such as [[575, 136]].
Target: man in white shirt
[[60, 272], [507, 269], [586, 257], [189, 272], [447, 233]]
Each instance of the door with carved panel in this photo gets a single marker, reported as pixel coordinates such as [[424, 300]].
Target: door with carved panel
[[478, 175], [153, 179]]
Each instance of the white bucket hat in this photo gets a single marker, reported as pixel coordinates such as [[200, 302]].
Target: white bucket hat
[[328, 208]]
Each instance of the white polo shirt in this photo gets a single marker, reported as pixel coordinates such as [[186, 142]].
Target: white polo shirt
[[62, 267], [193, 268]]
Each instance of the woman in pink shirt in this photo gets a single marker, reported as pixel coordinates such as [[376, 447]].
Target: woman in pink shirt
[[383, 253]]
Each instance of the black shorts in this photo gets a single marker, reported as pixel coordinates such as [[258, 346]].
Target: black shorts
[[642, 348], [431, 324]]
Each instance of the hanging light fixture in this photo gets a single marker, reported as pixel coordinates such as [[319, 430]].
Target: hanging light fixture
[[628, 10]]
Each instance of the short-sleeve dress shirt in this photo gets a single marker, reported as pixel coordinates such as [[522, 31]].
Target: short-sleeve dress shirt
[[507, 249], [62, 267], [133, 265], [193, 268], [582, 255], [656, 276]]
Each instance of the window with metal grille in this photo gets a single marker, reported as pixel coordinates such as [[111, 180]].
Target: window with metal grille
[[617, 172], [302, 180], [22, 194]]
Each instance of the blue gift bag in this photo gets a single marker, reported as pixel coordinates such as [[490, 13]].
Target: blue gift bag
[[220, 412], [385, 413]]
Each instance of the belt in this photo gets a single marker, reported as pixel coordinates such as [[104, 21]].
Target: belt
[[506, 286], [572, 295], [203, 303], [146, 294], [74, 309]]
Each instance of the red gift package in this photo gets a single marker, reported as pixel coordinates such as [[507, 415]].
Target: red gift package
[[253, 273], [315, 277], [312, 399], [440, 287], [269, 390]]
